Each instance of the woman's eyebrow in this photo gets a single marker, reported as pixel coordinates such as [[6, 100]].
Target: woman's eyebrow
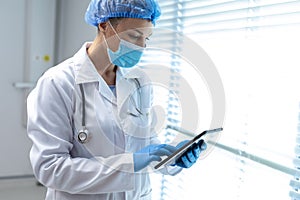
[[140, 32]]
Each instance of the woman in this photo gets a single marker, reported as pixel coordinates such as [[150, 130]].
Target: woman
[[90, 118]]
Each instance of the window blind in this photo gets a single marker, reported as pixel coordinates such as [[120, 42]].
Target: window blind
[[219, 16], [295, 182], [163, 50], [204, 19]]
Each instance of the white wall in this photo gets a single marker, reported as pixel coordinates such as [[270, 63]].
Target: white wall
[[73, 31], [30, 31], [26, 37], [14, 144]]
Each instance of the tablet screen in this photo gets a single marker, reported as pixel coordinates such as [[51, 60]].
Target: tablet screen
[[182, 150]]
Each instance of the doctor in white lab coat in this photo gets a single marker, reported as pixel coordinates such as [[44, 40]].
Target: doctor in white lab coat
[[93, 91]]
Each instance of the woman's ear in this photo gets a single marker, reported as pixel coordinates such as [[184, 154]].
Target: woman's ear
[[102, 27]]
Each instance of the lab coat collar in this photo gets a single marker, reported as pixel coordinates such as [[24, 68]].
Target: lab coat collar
[[85, 69], [131, 73], [127, 86], [85, 72]]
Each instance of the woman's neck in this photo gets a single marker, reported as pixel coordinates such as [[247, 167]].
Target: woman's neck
[[98, 55]]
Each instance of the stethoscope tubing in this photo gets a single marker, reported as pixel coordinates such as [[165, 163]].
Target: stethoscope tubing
[[83, 134]]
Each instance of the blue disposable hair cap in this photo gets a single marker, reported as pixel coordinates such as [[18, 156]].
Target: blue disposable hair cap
[[100, 11]]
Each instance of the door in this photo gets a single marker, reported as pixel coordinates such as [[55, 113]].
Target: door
[[27, 39]]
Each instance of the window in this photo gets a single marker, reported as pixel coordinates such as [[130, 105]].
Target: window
[[254, 45]]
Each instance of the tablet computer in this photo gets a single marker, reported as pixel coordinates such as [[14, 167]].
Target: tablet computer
[[171, 158]]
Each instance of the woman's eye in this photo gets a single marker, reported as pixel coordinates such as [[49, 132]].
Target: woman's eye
[[134, 36]]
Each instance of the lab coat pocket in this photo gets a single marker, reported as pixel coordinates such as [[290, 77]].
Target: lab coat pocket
[[137, 123]]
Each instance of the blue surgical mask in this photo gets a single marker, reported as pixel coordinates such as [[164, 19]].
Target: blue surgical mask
[[128, 54]]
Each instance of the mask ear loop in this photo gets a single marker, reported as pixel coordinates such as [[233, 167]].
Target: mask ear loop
[[114, 32], [137, 47]]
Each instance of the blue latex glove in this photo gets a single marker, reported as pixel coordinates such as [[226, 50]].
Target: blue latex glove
[[191, 155], [150, 153]]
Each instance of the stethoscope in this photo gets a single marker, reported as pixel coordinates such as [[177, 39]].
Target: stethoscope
[[137, 107], [83, 134]]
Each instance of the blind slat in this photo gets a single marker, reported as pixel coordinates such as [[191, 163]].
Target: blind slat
[[232, 6], [295, 195], [246, 28], [295, 184], [282, 17]]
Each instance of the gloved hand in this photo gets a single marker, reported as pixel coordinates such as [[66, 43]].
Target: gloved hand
[[191, 155], [150, 153]]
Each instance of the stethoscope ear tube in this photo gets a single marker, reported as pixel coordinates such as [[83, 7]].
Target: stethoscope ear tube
[[138, 107], [83, 134], [83, 105]]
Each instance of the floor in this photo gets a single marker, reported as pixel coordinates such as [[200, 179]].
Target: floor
[[25, 189]]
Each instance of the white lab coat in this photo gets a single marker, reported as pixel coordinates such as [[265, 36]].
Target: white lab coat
[[103, 167]]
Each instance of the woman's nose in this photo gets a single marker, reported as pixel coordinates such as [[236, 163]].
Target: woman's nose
[[142, 43]]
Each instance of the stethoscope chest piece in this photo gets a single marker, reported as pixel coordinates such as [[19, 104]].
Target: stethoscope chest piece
[[83, 136]]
